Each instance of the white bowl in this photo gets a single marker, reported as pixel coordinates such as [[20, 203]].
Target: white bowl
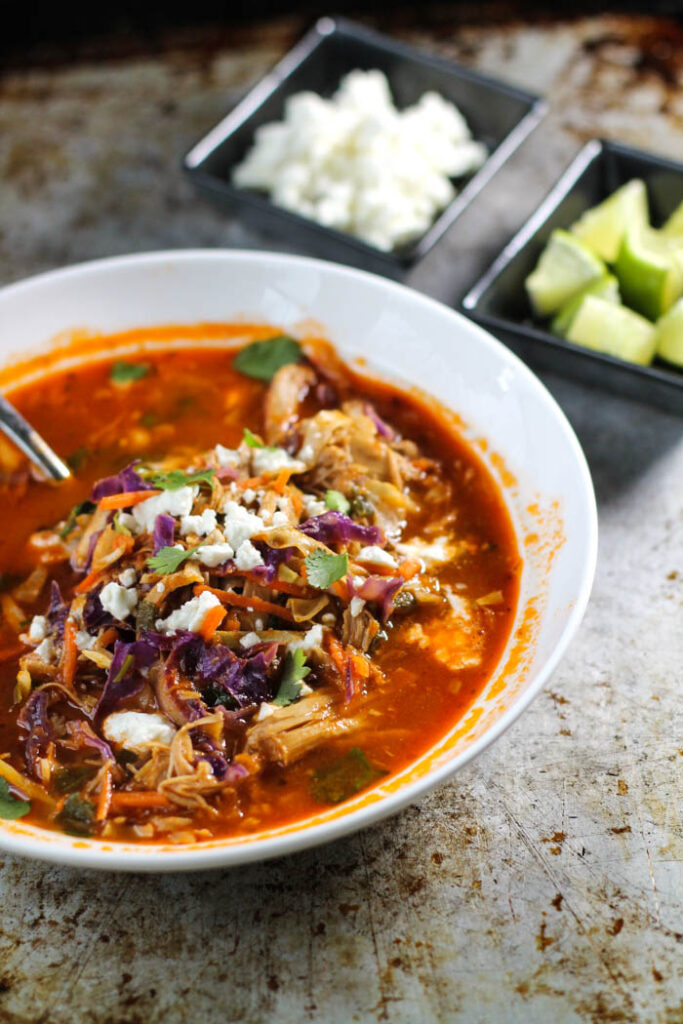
[[504, 411]]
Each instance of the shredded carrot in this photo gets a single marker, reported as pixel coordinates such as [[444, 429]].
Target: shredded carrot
[[113, 501], [256, 604], [69, 654], [88, 581], [281, 480], [104, 798], [295, 498], [252, 481], [360, 665], [408, 568], [337, 654], [232, 622], [341, 589], [108, 635], [139, 800], [287, 588], [212, 621]]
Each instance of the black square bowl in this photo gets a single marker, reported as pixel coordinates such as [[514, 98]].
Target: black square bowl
[[498, 115], [499, 302]]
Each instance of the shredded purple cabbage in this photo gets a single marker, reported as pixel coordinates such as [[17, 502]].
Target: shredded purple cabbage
[[121, 483], [273, 558], [383, 429], [81, 733], [94, 537], [94, 615], [380, 590], [337, 528], [116, 689], [34, 718], [164, 532], [57, 611]]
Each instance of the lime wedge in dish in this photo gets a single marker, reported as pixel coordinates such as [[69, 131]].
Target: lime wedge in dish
[[603, 227], [606, 327], [606, 288], [670, 335], [565, 267], [650, 271], [673, 227]]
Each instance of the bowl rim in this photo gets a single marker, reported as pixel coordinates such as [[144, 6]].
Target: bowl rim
[[100, 855], [325, 28], [594, 151]]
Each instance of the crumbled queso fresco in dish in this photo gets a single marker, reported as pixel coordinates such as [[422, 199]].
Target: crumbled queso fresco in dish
[[356, 163]]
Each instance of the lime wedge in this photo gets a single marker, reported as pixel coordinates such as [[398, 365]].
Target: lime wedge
[[670, 335], [603, 227], [673, 228], [650, 271], [565, 267], [615, 330], [606, 288]]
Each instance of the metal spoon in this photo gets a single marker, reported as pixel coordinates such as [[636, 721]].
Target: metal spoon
[[31, 443]]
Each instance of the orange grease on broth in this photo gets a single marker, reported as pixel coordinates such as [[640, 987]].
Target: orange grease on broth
[[191, 400]]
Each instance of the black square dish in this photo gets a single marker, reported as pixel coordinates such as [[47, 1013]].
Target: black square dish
[[498, 115], [499, 302]]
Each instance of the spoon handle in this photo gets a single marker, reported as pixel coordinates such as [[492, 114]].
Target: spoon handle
[[31, 443]]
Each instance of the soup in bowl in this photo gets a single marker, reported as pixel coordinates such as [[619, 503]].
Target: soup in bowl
[[295, 578]]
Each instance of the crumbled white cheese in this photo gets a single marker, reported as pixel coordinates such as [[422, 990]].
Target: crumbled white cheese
[[38, 629], [128, 578], [117, 600], [313, 638], [202, 525], [135, 729], [170, 503], [306, 454], [272, 460], [247, 557], [45, 649], [190, 615], [248, 495], [356, 606], [265, 711], [249, 640], [430, 553], [305, 689], [240, 524], [227, 456], [313, 506], [278, 520], [128, 522], [258, 623], [356, 163], [84, 641], [212, 555], [376, 556]]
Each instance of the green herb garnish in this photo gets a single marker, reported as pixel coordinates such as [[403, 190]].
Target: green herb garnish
[[71, 780], [252, 440], [11, 807], [290, 684], [342, 778], [118, 525], [76, 511], [323, 569], [214, 696], [168, 560], [336, 501], [77, 816], [262, 359], [176, 479], [362, 507], [127, 373], [78, 458]]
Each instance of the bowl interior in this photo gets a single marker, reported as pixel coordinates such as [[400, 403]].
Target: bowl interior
[[502, 409]]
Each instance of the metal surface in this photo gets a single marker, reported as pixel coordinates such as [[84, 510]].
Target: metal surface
[[546, 882], [31, 443]]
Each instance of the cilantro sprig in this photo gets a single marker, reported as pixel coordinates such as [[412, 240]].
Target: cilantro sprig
[[294, 673], [77, 816], [175, 479], [123, 372], [169, 559], [340, 779], [336, 501], [323, 568], [11, 807], [262, 359], [253, 441]]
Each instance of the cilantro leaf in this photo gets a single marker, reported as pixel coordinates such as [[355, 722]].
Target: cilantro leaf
[[336, 501], [323, 569], [290, 684], [176, 479], [77, 510], [70, 780], [77, 816], [216, 696], [11, 807], [342, 778], [127, 373], [262, 359], [118, 525], [170, 559], [252, 440]]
